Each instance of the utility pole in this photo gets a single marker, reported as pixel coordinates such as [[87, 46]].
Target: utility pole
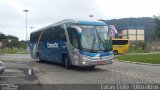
[[91, 16], [26, 11]]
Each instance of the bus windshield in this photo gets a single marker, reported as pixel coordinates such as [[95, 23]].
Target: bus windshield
[[95, 38]]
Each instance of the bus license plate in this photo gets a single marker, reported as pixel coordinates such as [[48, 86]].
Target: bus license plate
[[101, 62]]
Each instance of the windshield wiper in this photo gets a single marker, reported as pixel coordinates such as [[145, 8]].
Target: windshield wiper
[[86, 49]]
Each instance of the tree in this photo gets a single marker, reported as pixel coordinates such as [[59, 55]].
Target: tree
[[2, 36], [157, 26], [14, 41]]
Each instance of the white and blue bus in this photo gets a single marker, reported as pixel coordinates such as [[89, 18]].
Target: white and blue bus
[[72, 42]]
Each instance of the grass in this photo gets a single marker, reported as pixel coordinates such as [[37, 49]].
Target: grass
[[13, 51], [147, 58], [132, 50]]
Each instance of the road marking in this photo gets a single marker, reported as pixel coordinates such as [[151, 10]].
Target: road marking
[[7, 76], [13, 70]]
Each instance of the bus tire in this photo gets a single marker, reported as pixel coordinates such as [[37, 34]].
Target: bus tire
[[92, 67], [38, 58], [65, 62], [115, 52]]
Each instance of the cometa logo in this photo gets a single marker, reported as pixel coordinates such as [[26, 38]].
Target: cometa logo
[[52, 45]]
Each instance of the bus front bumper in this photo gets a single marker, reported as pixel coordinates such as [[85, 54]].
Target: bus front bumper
[[94, 62]]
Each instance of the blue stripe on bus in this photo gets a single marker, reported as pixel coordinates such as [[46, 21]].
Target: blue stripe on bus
[[103, 54], [92, 23]]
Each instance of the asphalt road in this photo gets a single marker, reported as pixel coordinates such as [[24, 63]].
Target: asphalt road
[[49, 75]]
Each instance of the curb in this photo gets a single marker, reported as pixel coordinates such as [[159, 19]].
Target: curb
[[140, 63]]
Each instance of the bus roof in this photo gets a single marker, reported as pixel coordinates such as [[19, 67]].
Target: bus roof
[[83, 22]]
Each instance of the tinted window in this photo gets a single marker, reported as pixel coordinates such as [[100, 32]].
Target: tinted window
[[119, 42], [35, 36], [61, 33], [73, 36], [54, 33]]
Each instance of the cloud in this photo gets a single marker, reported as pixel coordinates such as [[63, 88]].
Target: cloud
[[41, 13], [44, 12]]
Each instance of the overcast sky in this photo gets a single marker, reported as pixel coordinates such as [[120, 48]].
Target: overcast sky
[[44, 12]]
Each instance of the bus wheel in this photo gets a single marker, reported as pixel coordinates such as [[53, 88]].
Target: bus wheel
[[66, 64], [38, 59], [92, 67], [115, 52]]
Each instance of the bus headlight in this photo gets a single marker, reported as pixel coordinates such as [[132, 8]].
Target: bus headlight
[[84, 62]]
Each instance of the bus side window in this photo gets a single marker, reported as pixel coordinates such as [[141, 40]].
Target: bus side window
[[62, 34], [54, 33], [43, 37], [35, 36], [73, 36], [51, 34], [120, 42]]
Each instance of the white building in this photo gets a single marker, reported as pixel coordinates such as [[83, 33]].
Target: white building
[[132, 33]]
